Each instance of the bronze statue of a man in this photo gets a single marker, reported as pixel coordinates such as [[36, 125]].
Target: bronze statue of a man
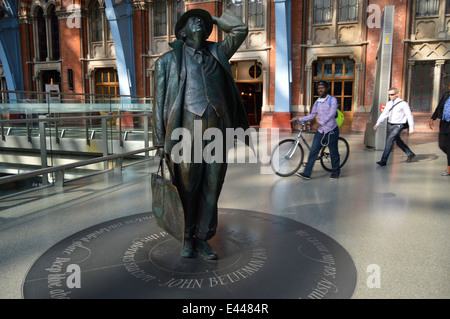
[[194, 87]]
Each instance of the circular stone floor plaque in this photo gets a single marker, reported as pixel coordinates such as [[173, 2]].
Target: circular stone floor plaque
[[261, 256]]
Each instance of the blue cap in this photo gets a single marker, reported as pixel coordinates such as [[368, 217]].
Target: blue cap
[[324, 83]]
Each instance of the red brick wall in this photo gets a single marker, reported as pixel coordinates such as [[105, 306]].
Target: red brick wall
[[27, 71], [296, 53], [138, 36], [70, 55]]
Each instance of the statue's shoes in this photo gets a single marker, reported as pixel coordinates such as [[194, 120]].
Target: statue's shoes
[[187, 251], [205, 250]]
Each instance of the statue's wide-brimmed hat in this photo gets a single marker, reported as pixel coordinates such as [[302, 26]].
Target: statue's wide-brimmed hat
[[205, 15]]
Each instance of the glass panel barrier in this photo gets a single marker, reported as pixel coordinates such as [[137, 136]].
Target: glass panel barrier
[[38, 134]]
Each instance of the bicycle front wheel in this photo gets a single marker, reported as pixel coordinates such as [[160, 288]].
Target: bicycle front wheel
[[344, 151], [287, 157]]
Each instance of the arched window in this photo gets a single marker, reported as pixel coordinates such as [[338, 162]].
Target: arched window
[[422, 86], [252, 12], [237, 7], [46, 31], [166, 14], [96, 23], [323, 11], [42, 35], [99, 25], [177, 11], [427, 8], [160, 12], [54, 25], [348, 10]]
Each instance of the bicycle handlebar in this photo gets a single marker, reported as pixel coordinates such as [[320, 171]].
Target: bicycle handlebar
[[302, 123]]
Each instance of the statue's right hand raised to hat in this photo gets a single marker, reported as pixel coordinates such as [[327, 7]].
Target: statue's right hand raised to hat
[[230, 23]]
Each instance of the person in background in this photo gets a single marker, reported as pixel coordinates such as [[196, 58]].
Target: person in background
[[443, 113], [398, 114], [328, 132]]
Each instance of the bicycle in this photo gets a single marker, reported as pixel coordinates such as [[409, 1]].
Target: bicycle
[[287, 156]]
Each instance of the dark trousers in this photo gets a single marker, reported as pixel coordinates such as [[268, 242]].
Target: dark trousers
[[394, 131], [199, 182], [444, 144], [319, 139]]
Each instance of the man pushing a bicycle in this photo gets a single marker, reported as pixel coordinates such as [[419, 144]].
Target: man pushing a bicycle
[[324, 109]]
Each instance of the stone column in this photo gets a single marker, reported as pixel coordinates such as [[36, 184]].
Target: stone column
[[436, 83], [441, 32]]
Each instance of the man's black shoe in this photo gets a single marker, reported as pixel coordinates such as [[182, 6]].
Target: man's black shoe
[[302, 175], [409, 159], [381, 163], [334, 176]]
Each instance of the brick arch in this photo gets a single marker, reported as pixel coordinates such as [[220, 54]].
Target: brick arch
[[24, 6]]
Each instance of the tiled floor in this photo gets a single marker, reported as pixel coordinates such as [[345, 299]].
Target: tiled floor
[[396, 217]]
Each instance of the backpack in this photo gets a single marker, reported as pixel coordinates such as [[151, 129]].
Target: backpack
[[339, 115]]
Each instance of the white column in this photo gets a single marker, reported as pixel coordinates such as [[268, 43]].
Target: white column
[[282, 65], [436, 83], [265, 91], [441, 24], [334, 24]]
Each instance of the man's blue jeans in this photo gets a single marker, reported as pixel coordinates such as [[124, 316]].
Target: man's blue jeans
[[332, 139], [394, 131]]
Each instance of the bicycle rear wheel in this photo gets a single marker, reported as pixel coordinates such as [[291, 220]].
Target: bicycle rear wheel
[[286, 159], [344, 151]]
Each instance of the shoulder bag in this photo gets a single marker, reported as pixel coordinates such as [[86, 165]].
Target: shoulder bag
[[166, 203]]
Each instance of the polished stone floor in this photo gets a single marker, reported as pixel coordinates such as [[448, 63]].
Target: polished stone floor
[[394, 221]]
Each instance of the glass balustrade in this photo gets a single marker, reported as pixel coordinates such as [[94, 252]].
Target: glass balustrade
[[47, 130]]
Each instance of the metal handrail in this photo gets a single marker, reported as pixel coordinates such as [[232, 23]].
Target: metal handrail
[[110, 96], [72, 118], [61, 168], [59, 180], [56, 120]]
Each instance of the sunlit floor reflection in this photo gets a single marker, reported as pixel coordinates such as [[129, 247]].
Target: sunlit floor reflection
[[395, 217]]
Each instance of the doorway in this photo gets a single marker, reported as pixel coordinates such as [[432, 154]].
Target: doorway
[[339, 72], [251, 95], [106, 85], [50, 77]]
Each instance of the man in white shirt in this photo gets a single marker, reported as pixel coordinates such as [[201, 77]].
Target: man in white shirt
[[398, 114]]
